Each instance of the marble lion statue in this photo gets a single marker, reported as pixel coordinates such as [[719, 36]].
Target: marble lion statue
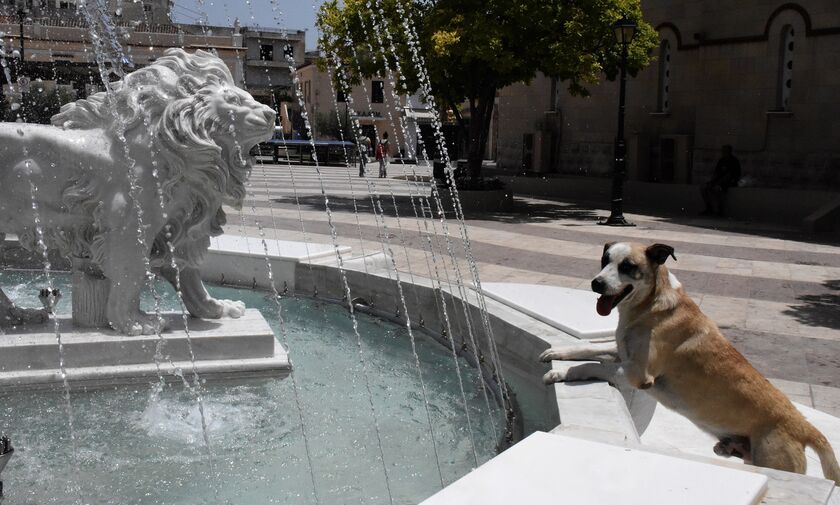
[[140, 173]]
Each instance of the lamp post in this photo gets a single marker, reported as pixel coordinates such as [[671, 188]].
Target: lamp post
[[625, 29], [20, 70]]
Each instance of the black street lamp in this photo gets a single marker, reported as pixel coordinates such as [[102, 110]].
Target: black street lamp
[[20, 70], [625, 29], [22, 11]]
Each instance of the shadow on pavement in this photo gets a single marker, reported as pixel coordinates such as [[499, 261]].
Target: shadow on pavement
[[580, 213], [522, 212], [540, 211], [405, 205], [822, 310]]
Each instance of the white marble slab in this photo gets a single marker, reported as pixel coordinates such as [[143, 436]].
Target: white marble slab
[[240, 261], [286, 249], [243, 346], [569, 310], [546, 468]]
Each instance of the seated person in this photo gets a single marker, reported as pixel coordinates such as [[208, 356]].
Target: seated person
[[727, 174]]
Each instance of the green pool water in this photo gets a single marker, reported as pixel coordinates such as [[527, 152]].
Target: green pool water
[[138, 445]]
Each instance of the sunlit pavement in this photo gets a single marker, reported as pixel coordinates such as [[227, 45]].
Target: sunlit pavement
[[774, 292]]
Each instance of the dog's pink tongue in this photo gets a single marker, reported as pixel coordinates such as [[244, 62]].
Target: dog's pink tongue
[[605, 305]]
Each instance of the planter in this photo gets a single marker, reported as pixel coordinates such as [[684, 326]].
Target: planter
[[485, 200]]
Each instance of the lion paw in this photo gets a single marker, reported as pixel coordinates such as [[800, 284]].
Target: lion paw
[[141, 324], [232, 308]]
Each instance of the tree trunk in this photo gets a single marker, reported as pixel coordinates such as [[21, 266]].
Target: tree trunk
[[481, 112], [458, 117]]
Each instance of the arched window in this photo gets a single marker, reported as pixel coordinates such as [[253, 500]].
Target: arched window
[[664, 98], [785, 68]]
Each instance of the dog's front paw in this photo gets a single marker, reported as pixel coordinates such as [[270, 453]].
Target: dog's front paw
[[553, 377], [550, 355], [598, 351], [573, 371]]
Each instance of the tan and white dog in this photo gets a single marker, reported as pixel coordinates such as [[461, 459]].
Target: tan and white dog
[[665, 345]]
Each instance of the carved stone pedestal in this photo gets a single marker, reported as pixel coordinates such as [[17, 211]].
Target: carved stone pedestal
[[90, 295], [223, 349]]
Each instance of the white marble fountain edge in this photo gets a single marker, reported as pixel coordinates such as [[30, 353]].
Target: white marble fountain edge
[[594, 411]]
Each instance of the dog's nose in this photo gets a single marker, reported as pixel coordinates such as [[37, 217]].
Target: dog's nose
[[598, 285]]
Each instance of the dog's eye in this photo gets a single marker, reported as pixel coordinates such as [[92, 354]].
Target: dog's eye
[[605, 260], [627, 268]]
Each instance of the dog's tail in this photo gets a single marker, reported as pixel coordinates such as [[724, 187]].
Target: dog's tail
[[817, 441]]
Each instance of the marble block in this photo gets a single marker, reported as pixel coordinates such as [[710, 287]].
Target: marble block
[[547, 468], [241, 347], [569, 310], [239, 260]]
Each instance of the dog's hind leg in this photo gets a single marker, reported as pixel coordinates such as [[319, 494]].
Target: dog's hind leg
[[600, 351], [778, 450], [734, 446]]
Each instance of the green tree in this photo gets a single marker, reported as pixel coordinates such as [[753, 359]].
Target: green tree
[[472, 48], [326, 126]]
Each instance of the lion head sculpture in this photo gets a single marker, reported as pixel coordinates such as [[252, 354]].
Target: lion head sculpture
[[186, 112]]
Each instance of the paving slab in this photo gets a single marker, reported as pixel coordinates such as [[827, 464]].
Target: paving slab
[[547, 468]]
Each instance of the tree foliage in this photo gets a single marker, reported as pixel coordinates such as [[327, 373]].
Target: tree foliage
[[472, 48], [327, 127]]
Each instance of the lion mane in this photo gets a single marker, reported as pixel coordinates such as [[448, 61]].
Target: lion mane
[[164, 109]]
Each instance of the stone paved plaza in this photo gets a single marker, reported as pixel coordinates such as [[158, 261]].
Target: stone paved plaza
[[774, 292]]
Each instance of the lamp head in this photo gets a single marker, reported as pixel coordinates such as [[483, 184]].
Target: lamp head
[[624, 29]]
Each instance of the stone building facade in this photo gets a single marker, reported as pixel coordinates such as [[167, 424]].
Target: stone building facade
[[266, 67], [374, 105], [149, 11], [761, 75], [57, 50]]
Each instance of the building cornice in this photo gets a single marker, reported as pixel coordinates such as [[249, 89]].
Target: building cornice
[[701, 40]]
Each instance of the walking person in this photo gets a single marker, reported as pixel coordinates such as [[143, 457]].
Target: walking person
[[727, 174], [382, 156], [364, 150]]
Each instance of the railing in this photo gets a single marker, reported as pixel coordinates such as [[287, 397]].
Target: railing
[[68, 22]]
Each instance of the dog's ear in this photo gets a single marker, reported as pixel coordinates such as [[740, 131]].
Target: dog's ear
[[607, 247], [658, 253]]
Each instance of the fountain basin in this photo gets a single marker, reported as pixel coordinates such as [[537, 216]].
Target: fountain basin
[[141, 444]]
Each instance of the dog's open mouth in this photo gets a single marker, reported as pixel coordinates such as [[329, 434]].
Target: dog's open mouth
[[608, 302]]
